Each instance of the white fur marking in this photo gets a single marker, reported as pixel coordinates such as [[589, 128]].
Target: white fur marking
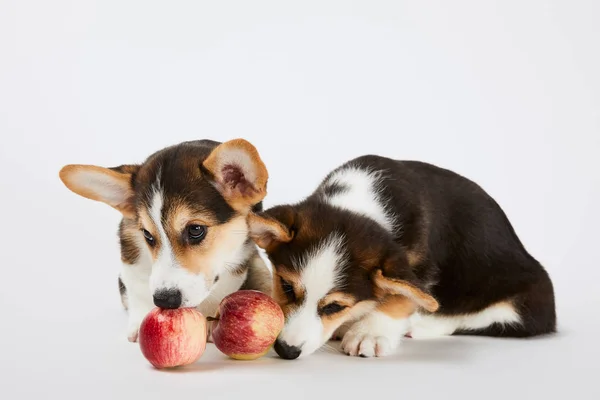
[[431, 326], [320, 273], [136, 279], [167, 273], [361, 195]]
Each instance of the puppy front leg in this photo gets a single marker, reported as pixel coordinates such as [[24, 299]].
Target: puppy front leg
[[229, 282], [135, 278], [379, 332]]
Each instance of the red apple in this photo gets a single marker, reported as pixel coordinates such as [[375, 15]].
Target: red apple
[[248, 324], [172, 338]]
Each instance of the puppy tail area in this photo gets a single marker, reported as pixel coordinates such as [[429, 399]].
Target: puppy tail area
[[123, 293], [536, 311]]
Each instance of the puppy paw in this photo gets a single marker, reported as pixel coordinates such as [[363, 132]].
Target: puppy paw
[[368, 345], [132, 334], [133, 327], [376, 335]]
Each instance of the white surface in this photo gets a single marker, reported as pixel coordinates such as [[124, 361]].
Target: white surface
[[507, 93]]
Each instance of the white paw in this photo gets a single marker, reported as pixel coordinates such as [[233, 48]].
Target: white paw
[[133, 327], [132, 334], [365, 345], [375, 335]]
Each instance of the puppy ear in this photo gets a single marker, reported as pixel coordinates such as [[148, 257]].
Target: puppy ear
[[108, 185], [396, 277], [238, 173], [272, 227]]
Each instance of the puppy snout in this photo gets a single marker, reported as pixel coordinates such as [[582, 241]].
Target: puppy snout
[[286, 351], [170, 298]]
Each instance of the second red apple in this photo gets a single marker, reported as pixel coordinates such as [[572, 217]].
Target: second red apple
[[248, 323]]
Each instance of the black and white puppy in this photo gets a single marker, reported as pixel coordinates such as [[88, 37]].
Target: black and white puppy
[[184, 233], [385, 248]]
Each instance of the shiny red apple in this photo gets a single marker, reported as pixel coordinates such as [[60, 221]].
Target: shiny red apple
[[172, 338], [247, 324]]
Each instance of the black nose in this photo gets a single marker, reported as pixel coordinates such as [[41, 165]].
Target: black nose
[[286, 351], [167, 298]]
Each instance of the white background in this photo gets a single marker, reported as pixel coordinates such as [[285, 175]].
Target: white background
[[505, 92]]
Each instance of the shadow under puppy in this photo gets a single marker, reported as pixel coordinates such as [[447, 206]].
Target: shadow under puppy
[[184, 235], [383, 248]]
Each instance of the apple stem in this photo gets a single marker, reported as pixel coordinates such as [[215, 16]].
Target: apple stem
[[210, 319]]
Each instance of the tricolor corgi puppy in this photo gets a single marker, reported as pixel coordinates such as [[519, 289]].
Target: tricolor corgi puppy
[[385, 248], [184, 235]]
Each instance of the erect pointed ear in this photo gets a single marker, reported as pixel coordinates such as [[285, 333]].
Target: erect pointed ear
[[271, 227], [108, 185], [396, 277], [238, 173]]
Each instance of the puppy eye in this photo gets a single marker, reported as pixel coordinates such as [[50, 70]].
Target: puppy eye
[[196, 233], [148, 236], [288, 289], [331, 308]]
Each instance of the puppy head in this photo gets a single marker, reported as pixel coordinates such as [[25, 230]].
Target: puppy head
[[189, 203], [331, 267]]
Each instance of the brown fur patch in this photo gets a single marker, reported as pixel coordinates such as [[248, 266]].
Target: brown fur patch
[[182, 215], [278, 294], [148, 224], [129, 237], [341, 298], [220, 240], [293, 278], [267, 232], [396, 286], [397, 307]]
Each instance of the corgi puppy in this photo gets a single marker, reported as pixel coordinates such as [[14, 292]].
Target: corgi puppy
[[183, 236], [385, 248]]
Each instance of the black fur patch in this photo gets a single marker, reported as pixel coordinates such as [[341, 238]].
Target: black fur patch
[[122, 288]]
